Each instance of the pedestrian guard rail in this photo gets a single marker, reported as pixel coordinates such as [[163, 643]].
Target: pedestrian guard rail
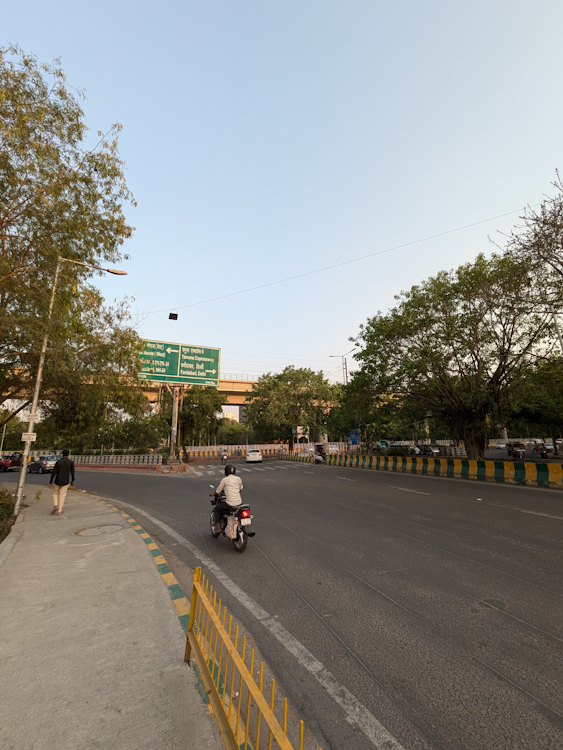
[[508, 472], [238, 701], [144, 459], [233, 451]]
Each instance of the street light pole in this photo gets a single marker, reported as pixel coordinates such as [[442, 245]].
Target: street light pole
[[33, 413]]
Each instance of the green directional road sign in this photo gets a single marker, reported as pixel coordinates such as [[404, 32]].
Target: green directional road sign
[[179, 364]]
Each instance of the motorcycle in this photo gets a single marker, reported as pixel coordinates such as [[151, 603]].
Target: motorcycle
[[236, 524], [224, 459]]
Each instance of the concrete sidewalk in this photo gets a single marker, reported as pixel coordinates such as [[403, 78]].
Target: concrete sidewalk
[[91, 647]]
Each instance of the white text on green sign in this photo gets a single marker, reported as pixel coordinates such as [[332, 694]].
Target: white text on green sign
[[165, 362]]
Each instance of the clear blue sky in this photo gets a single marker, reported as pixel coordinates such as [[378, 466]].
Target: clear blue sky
[[266, 139]]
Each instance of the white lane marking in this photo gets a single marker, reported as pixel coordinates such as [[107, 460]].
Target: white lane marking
[[269, 468], [545, 515], [257, 469], [416, 492], [356, 713], [198, 473], [530, 512], [346, 479], [211, 472], [308, 472], [242, 469]]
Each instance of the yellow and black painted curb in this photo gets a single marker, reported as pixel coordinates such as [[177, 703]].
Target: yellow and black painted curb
[[179, 599], [504, 472]]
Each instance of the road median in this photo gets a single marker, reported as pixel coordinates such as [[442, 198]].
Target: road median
[[503, 472]]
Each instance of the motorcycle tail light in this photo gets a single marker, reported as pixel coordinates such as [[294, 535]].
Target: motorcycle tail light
[[245, 514]]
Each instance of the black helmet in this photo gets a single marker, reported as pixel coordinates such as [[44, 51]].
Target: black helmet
[[230, 469]]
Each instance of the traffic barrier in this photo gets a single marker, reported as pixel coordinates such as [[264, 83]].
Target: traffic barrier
[[227, 678], [233, 451], [141, 459], [504, 472]]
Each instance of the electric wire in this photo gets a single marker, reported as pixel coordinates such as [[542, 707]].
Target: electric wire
[[337, 265]]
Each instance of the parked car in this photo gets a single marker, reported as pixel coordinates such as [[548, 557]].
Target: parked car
[[12, 462], [42, 465], [254, 456], [501, 446]]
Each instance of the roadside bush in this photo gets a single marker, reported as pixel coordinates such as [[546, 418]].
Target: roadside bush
[[6, 511]]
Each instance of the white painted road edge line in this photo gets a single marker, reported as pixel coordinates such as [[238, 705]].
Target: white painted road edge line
[[356, 713]]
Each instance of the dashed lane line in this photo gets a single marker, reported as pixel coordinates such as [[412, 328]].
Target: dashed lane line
[[545, 515], [416, 492]]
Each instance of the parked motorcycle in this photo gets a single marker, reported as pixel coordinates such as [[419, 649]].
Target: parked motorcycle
[[236, 524]]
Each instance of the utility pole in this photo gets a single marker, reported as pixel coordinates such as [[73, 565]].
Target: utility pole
[[344, 364], [33, 412]]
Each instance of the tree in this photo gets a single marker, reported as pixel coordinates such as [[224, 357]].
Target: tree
[[233, 433], [539, 240], [457, 343], [200, 416], [537, 401], [12, 432], [296, 397], [58, 197], [140, 435]]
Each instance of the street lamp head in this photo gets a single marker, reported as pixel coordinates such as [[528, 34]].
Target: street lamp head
[[116, 271]]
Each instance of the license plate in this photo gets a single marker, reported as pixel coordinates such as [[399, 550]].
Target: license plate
[[245, 521]]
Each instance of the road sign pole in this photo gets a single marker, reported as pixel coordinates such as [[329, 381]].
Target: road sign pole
[[174, 426]]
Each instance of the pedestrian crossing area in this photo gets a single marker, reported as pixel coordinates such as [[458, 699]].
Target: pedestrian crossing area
[[220, 471]]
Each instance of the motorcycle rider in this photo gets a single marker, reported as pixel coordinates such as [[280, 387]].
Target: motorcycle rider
[[231, 485], [224, 456]]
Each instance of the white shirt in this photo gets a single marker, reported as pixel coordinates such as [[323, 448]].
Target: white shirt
[[231, 485]]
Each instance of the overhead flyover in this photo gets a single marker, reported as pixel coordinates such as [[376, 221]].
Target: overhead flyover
[[234, 390]]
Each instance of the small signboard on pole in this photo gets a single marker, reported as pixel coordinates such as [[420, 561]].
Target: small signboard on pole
[[29, 437]]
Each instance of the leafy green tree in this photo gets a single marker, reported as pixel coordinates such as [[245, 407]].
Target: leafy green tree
[[233, 433], [13, 431], [537, 401], [457, 343], [200, 416], [60, 195], [296, 397], [139, 435]]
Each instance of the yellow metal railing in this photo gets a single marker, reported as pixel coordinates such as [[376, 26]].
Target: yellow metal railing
[[227, 678]]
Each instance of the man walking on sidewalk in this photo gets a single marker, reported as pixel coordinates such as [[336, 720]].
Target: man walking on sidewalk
[[61, 476]]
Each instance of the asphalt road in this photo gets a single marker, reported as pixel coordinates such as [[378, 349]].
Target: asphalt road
[[397, 611]]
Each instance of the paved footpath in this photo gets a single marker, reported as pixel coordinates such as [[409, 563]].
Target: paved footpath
[[91, 647]]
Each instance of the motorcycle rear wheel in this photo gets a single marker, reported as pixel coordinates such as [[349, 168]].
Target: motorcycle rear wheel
[[241, 541], [212, 524]]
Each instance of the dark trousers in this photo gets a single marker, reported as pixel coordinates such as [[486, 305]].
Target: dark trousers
[[220, 509]]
